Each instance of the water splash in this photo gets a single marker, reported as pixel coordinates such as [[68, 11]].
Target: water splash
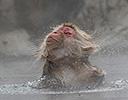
[[26, 89]]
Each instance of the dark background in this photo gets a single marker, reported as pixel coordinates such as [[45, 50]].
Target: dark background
[[31, 19], [36, 16]]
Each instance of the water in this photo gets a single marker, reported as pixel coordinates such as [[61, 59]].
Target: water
[[15, 72], [26, 89]]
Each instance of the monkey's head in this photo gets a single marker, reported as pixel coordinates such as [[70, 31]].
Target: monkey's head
[[59, 35], [67, 40]]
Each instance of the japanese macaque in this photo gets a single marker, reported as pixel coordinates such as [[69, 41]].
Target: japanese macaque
[[66, 50]]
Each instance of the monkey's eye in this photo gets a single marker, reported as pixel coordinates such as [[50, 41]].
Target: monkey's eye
[[67, 33], [55, 32]]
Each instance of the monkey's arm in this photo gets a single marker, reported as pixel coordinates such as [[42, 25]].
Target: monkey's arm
[[46, 80], [97, 77]]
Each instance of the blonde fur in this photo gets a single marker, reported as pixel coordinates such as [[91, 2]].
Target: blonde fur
[[81, 45]]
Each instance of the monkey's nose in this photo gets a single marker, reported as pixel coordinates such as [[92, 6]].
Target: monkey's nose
[[54, 35]]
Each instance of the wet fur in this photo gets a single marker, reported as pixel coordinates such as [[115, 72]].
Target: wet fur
[[68, 64]]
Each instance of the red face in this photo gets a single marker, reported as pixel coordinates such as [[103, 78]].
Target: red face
[[59, 35]]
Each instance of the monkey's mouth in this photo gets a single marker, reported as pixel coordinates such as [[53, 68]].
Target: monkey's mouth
[[52, 40]]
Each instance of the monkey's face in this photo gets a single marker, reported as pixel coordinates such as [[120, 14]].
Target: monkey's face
[[58, 36]]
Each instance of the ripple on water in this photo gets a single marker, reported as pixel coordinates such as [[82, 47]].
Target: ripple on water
[[26, 89]]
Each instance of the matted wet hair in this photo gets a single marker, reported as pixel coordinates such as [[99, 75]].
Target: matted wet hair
[[82, 44]]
